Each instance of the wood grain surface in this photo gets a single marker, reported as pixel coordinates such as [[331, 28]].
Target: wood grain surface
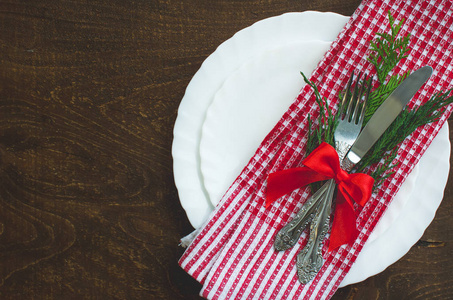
[[89, 92]]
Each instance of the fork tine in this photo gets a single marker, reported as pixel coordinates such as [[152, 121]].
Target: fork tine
[[353, 98], [355, 117], [365, 102], [345, 96]]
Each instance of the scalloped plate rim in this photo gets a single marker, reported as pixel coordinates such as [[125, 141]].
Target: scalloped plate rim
[[182, 159]]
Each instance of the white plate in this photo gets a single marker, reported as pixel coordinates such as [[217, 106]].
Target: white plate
[[248, 105], [227, 58], [226, 88], [408, 215]]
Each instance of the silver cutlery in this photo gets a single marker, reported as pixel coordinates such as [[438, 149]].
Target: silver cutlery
[[376, 126], [317, 209], [309, 260], [347, 131]]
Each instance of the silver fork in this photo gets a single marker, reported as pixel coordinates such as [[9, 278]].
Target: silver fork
[[288, 236], [309, 260]]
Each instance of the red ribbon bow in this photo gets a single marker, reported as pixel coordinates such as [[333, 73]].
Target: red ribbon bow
[[323, 164]]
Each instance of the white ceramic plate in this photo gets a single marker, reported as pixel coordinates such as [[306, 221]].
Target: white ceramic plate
[[248, 105], [228, 57], [408, 215], [260, 65]]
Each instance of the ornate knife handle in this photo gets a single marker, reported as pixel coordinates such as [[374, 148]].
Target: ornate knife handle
[[288, 236]]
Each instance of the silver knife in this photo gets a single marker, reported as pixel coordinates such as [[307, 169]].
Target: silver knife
[[307, 265], [387, 113]]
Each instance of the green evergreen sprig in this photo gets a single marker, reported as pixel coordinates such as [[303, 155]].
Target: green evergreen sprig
[[405, 124], [378, 96], [389, 49], [327, 122], [386, 52]]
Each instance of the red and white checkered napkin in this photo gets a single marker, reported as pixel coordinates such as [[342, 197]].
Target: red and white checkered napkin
[[233, 255]]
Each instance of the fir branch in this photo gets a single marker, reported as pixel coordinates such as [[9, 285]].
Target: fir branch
[[385, 170], [327, 122], [378, 96], [406, 123], [388, 49]]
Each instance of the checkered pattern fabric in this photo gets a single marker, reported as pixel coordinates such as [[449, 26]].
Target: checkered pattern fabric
[[233, 255]]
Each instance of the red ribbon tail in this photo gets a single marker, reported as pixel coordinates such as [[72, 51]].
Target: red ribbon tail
[[344, 229]]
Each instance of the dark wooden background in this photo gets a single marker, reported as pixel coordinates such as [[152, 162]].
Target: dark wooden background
[[89, 92]]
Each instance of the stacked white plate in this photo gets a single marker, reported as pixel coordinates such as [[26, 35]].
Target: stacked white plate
[[239, 94]]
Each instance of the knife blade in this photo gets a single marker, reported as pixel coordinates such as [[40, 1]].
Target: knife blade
[[387, 113]]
